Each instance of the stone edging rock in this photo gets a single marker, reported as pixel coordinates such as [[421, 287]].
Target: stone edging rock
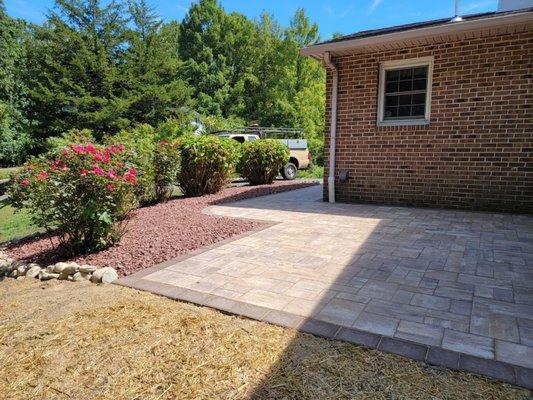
[[66, 271]]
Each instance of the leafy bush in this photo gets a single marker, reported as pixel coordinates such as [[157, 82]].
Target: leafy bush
[[206, 163], [14, 147], [166, 162], [83, 195], [312, 172], [213, 123], [261, 160], [174, 128], [56, 144], [139, 143]]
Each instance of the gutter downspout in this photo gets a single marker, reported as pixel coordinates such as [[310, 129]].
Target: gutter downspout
[[333, 127]]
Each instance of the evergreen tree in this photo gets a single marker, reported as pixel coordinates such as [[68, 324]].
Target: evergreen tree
[[152, 69], [74, 79], [14, 139]]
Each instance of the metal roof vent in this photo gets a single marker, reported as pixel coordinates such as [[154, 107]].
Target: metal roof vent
[[457, 17]]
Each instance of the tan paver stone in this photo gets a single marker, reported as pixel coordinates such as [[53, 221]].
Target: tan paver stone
[[266, 299], [341, 312]]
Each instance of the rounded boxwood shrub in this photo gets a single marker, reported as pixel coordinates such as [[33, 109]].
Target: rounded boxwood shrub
[[207, 163], [83, 195], [261, 160], [166, 162]]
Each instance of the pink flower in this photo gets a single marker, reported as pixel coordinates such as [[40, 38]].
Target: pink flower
[[130, 175], [84, 172], [42, 175], [90, 149], [98, 157], [111, 174], [98, 171], [120, 146], [77, 148], [25, 182], [110, 187]]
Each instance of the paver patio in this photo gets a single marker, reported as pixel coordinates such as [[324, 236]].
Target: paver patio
[[453, 288]]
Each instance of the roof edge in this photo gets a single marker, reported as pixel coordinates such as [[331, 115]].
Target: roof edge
[[317, 50]]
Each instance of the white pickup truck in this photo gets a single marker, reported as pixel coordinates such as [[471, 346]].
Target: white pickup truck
[[299, 158]]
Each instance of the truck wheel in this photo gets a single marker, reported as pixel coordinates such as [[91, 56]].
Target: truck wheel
[[289, 171]]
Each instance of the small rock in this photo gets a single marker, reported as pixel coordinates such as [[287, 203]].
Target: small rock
[[22, 269], [71, 269], [80, 276], [63, 277], [104, 275], [87, 269], [33, 271], [59, 267], [45, 276], [14, 273]]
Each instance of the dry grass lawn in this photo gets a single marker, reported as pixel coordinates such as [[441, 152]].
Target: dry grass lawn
[[63, 340]]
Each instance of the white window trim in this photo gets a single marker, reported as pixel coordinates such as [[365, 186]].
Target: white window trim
[[399, 64]]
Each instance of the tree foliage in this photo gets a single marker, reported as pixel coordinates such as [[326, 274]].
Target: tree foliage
[[14, 139], [109, 66]]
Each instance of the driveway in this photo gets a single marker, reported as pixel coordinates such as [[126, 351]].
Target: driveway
[[451, 288]]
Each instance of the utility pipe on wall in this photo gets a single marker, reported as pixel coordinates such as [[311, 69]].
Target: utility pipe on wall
[[333, 126]]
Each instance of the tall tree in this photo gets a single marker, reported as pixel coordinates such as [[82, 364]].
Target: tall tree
[[74, 78], [152, 68], [14, 140], [218, 51]]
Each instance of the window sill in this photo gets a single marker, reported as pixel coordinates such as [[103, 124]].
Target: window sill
[[404, 122]]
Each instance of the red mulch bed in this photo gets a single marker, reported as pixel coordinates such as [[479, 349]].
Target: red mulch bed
[[161, 232]]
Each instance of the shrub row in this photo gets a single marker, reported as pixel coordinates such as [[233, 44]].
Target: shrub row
[[84, 192]]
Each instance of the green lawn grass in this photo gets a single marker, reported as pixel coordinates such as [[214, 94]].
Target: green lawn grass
[[14, 225], [5, 172]]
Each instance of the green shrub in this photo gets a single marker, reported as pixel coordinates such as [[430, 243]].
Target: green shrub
[[166, 162], [56, 144], [207, 163], [213, 123], [139, 143], [261, 160], [174, 128], [83, 195], [14, 147]]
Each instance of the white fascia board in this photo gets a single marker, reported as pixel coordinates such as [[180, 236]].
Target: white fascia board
[[450, 28]]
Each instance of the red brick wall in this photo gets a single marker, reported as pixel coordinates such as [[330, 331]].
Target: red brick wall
[[477, 153]]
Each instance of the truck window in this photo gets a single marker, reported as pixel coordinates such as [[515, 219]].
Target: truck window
[[251, 138], [239, 139]]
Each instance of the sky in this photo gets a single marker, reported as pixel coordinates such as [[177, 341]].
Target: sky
[[344, 16]]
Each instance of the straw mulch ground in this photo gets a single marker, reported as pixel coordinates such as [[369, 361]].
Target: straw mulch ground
[[62, 340]]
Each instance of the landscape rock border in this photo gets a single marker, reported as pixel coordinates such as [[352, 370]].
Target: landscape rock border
[[64, 271]]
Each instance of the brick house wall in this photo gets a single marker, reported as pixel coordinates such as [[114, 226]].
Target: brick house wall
[[477, 153]]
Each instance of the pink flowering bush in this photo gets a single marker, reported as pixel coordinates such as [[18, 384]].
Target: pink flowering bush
[[83, 195]]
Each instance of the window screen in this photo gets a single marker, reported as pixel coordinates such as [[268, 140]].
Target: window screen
[[405, 93]]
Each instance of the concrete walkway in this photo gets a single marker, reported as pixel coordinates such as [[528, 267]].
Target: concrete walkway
[[447, 287]]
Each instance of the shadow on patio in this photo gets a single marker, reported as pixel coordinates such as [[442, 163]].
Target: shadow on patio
[[451, 288]]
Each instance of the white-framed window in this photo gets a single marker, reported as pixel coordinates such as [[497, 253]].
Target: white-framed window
[[405, 92]]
